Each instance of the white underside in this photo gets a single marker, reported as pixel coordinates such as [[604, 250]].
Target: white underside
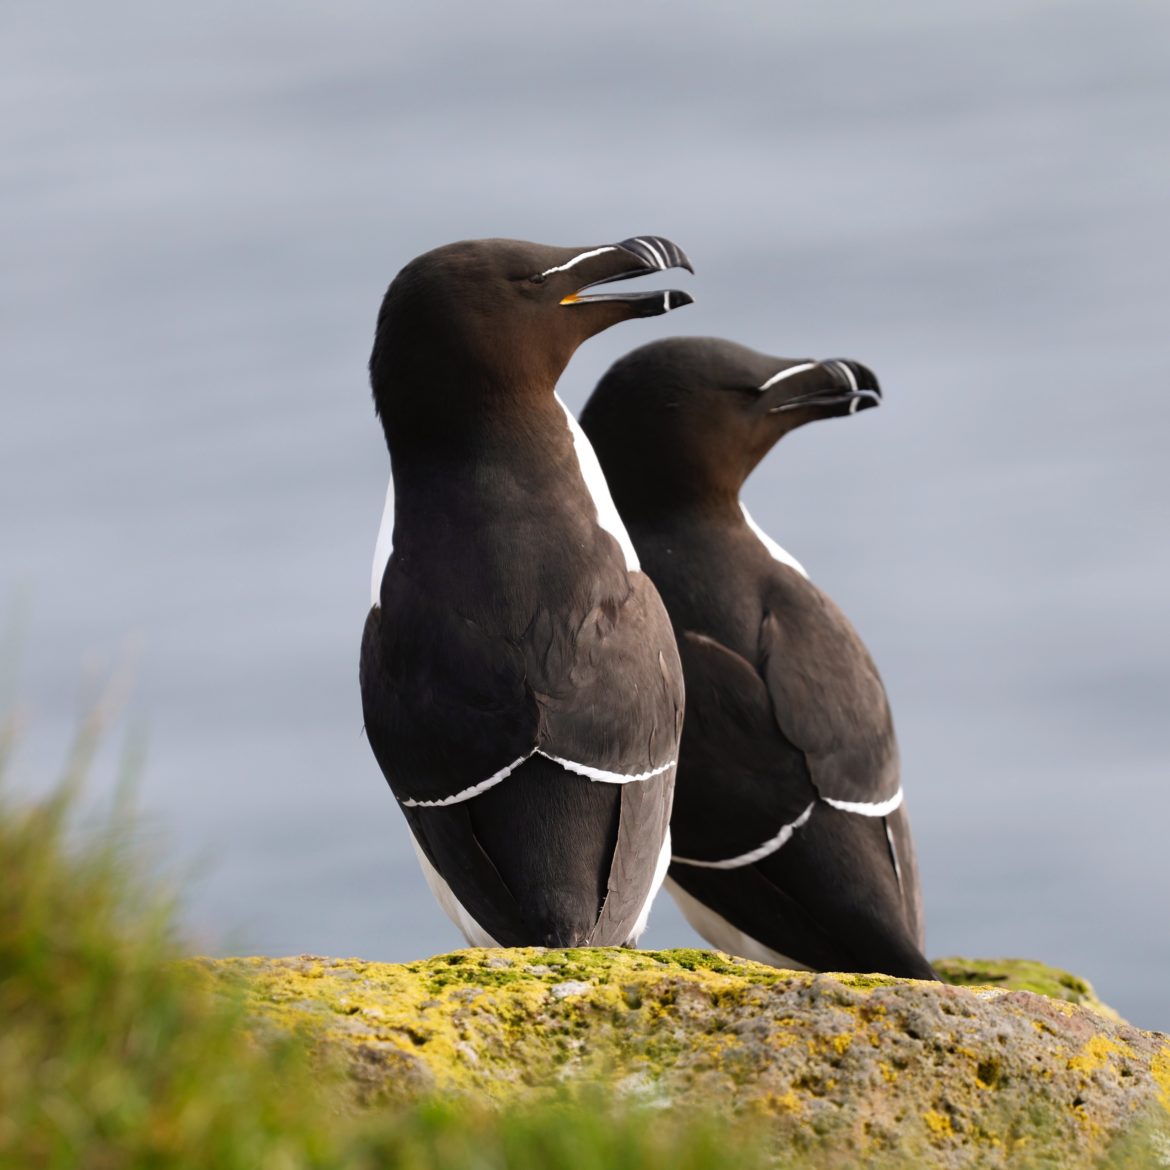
[[725, 937], [778, 553], [471, 930], [475, 934], [655, 885]]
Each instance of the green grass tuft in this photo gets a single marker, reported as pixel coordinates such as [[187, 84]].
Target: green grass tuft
[[114, 1056]]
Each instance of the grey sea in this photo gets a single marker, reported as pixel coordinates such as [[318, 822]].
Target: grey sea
[[201, 206]]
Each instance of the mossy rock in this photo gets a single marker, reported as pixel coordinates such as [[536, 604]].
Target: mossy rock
[[1023, 975], [1027, 1068]]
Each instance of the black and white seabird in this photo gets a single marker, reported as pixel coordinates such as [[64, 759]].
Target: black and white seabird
[[790, 839], [520, 681]]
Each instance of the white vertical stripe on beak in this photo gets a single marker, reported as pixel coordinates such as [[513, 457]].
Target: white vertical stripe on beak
[[660, 258], [844, 368]]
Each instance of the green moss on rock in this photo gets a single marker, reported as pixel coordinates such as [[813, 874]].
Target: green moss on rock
[[987, 1073], [1022, 975]]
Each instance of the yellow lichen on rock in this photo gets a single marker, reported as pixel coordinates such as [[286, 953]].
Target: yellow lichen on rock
[[1160, 1070], [1096, 1053], [867, 1064]]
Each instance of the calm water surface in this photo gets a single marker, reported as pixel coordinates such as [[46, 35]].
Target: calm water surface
[[201, 209]]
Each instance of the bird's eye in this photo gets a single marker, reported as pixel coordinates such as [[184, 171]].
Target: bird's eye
[[537, 278]]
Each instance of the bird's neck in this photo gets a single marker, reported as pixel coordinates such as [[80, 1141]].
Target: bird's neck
[[675, 509], [499, 494]]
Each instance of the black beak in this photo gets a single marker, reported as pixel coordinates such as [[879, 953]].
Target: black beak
[[657, 253], [637, 256], [849, 383]]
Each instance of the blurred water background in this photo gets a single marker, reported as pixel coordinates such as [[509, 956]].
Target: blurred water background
[[201, 207]]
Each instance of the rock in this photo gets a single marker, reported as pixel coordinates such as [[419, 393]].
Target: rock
[[568, 988], [1022, 975], [988, 1073]]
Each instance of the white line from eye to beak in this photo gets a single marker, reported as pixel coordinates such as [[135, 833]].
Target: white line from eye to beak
[[788, 373], [578, 258]]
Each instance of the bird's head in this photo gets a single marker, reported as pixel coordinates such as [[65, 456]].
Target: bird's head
[[485, 319], [688, 418]]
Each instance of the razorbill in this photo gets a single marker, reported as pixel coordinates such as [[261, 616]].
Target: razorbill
[[790, 839], [520, 682]]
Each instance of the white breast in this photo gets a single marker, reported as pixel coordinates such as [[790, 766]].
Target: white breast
[[607, 513], [778, 553], [383, 547]]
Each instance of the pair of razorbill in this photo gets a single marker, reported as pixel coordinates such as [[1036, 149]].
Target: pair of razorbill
[[523, 662]]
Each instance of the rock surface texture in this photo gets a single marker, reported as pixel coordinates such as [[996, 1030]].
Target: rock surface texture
[[1020, 1065]]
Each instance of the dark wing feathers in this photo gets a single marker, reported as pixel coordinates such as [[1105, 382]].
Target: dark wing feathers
[[546, 856], [838, 867], [448, 839], [828, 899], [730, 734], [446, 704], [551, 836], [645, 814], [605, 700], [760, 746], [903, 855], [827, 696]]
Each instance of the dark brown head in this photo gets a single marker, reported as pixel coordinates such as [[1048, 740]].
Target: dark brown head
[[684, 421], [471, 325]]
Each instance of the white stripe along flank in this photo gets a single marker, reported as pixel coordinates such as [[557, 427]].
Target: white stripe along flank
[[788, 373], [590, 773], [600, 774], [759, 853], [880, 808], [468, 793], [578, 258]]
